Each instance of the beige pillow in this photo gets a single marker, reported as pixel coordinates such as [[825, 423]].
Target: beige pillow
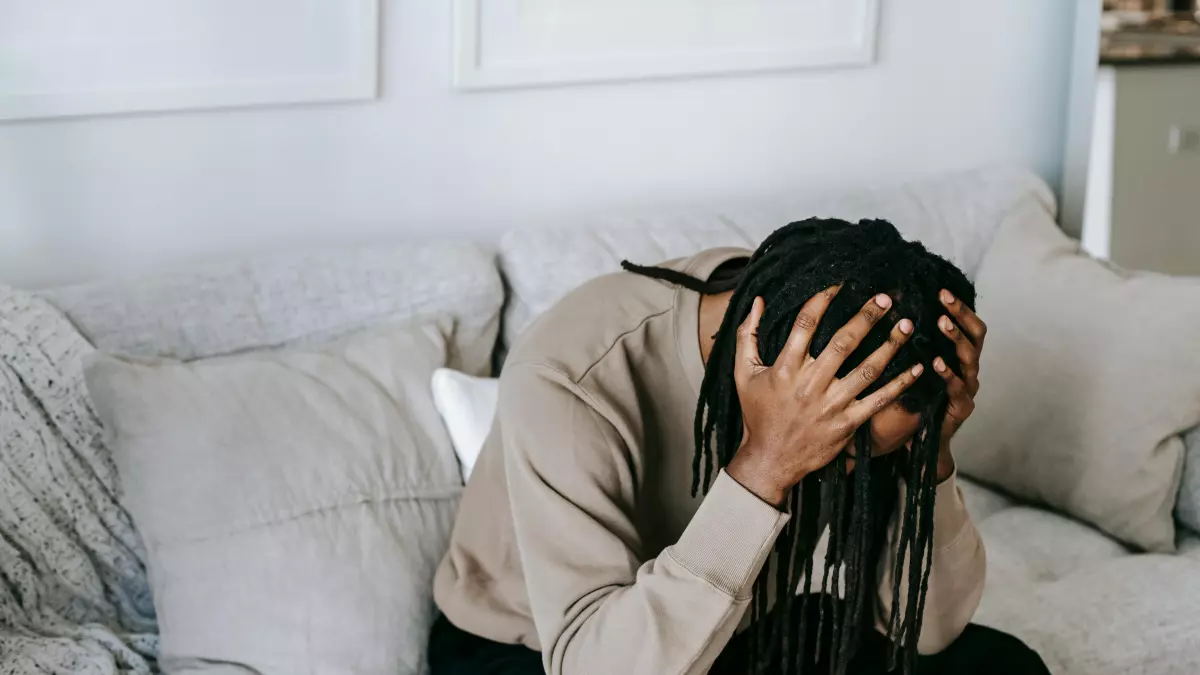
[[294, 504], [1089, 374]]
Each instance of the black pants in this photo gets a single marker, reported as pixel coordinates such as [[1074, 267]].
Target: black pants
[[978, 651]]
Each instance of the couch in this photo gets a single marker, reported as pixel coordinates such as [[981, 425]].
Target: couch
[[1087, 603]]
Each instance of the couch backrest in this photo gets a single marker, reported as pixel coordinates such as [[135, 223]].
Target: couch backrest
[[954, 216], [293, 298]]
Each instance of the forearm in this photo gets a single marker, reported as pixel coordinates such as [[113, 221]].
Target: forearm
[[670, 620], [682, 607]]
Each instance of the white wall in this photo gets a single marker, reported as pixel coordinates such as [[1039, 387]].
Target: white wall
[[958, 84], [1081, 111]]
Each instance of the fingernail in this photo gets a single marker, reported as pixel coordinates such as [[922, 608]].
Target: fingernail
[[939, 365], [883, 300], [906, 327], [916, 370], [947, 298], [946, 324]]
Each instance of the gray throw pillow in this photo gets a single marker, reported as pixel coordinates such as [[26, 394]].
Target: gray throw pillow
[[294, 504], [1089, 375]]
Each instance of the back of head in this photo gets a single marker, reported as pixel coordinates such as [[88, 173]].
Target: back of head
[[803, 258]]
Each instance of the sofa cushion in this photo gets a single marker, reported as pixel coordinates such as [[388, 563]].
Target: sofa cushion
[[1129, 615], [981, 500], [1089, 375], [954, 216], [294, 503], [1026, 543], [294, 298], [1060, 585]]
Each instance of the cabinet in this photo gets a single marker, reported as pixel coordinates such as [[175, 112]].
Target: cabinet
[[1142, 208]]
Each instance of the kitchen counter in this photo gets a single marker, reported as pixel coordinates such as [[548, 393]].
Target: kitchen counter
[[1171, 39]]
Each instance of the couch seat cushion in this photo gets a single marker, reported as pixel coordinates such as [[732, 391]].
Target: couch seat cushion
[[1084, 601]]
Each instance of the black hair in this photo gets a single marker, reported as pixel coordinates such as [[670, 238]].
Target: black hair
[[791, 266]]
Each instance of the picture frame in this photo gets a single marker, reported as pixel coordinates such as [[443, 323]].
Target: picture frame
[[851, 42], [130, 57]]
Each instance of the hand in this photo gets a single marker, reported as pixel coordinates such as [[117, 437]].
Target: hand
[[798, 416], [968, 331]]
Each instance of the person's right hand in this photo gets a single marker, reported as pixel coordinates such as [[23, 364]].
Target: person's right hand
[[798, 415]]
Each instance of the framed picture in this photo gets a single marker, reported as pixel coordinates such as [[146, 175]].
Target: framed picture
[[117, 56], [521, 43]]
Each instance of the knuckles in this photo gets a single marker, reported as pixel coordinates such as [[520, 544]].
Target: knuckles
[[841, 428], [880, 403], [806, 322], [868, 372], [841, 345]]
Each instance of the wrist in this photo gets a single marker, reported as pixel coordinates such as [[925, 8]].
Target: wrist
[[758, 477], [945, 465]]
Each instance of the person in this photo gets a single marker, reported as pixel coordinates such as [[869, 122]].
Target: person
[[669, 443]]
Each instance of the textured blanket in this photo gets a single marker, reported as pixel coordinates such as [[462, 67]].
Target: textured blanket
[[74, 597]]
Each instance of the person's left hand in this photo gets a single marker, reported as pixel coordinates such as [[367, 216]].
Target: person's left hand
[[968, 331]]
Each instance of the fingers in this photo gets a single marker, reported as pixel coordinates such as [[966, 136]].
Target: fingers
[[967, 352], [972, 325], [796, 350], [859, 412], [846, 389], [746, 360], [847, 339], [961, 401]]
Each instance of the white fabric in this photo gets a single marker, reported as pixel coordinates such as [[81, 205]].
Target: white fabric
[[73, 591], [1089, 376], [294, 503], [467, 405]]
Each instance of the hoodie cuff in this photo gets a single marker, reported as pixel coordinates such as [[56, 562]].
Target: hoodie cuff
[[730, 537]]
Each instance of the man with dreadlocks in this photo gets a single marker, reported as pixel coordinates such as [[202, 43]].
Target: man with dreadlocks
[[731, 463]]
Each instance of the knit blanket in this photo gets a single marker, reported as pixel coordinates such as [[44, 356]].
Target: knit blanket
[[74, 596]]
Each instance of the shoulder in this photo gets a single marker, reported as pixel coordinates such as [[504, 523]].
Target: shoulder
[[582, 328]]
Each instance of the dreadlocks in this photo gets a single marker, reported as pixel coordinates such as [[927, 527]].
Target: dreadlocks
[[792, 265]]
